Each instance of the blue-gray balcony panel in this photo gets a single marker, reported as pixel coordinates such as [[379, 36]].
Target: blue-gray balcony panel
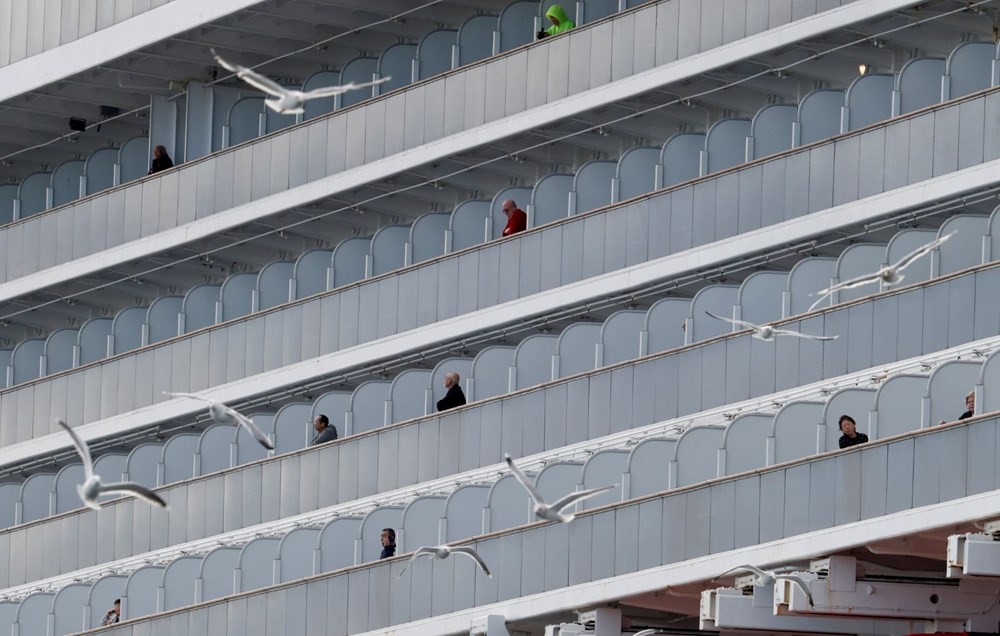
[[694, 521], [562, 412], [560, 250], [577, 61]]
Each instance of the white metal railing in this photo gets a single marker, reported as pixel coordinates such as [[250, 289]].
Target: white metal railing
[[768, 404], [645, 275]]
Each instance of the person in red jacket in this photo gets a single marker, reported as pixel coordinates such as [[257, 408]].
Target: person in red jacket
[[517, 220]]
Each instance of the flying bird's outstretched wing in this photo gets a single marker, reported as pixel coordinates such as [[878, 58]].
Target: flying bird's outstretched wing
[[799, 334], [897, 267], [81, 448], [579, 495], [135, 490], [248, 424], [252, 78], [905, 262], [330, 91], [470, 552], [229, 66], [857, 281], [262, 83], [520, 476], [799, 583], [420, 551], [824, 294], [738, 323], [777, 332], [851, 283]]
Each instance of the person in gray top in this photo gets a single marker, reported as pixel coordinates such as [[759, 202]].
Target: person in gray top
[[114, 614], [324, 431]]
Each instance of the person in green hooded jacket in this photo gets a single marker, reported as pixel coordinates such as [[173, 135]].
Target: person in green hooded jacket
[[560, 22]]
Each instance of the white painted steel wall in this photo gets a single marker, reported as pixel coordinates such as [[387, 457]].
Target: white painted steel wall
[[347, 149], [53, 39]]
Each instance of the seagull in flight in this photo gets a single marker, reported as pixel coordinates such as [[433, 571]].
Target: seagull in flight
[[92, 488], [553, 511], [222, 414], [890, 274], [767, 333], [764, 578], [445, 551], [283, 100]]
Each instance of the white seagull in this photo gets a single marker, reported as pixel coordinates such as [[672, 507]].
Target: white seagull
[[445, 551], [92, 488], [764, 577], [283, 100], [554, 511], [890, 274], [767, 333], [222, 414]]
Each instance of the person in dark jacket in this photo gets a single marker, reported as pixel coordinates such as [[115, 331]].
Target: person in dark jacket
[[324, 432], [455, 397], [517, 220], [388, 543], [970, 407], [161, 160], [850, 435]]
